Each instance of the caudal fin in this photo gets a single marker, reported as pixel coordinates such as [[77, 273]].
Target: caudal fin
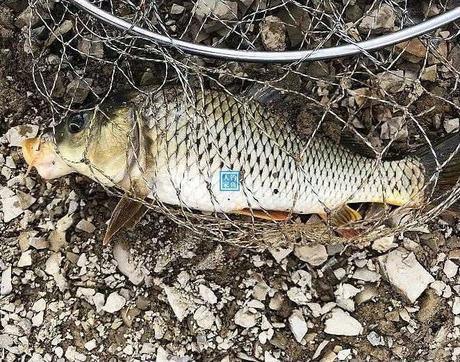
[[442, 162]]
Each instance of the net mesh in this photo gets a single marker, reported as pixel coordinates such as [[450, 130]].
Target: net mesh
[[390, 102]]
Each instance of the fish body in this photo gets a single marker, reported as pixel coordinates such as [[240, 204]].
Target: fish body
[[181, 150]]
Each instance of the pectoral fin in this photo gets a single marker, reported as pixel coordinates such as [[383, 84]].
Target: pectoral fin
[[265, 214], [126, 214]]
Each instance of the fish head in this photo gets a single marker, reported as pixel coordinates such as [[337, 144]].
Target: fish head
[[95, 144]]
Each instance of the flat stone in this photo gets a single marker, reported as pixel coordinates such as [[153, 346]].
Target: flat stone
[[384, 244], [207, 294], [25, 259], [456, 306], [114, 303], [366, 275], [298, 325], [450, 268], [39, 305], [273, 33], [342, 324], [375, 339], [312, 254], [204, 318], [279, 253], [178, 302], [246, 318], [6, 287], [11, 205], [177, 9], [405, 274], [382, 18], [451, 125], [86, 226], [221, 9], [126, 265]]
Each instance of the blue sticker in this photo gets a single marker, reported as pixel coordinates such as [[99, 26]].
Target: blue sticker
[[229, 180]]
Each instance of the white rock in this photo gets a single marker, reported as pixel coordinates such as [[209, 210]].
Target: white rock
[[269, 358], [260, 291], [178, 302], [342, 324], [204, 317], [405, 273], [297, 296], [246, 318], [99, 301], [59, 352], [16, 135], [128, 349], [273, 33], [312, 254], [6, 286], [72, 354], [65, 222], [86, 226], [39, 305], [114, 303], [451, 125], [207, 294], [450, 268], [25, 259], [177, 9], [162, 355], [221, 9], [148, 348], [280, 253], [343, 354], [90, 345], [375, 339], [126, 265], [346, 290], [52, 265], [384, 244], [381, 18], [37, 319], [366, 275], [11, 204], [456, 306], [298, 325]]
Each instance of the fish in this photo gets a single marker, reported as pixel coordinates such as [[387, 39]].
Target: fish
[[213, 152]]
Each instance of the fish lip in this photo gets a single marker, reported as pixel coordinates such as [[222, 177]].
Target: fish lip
[[41, 153]]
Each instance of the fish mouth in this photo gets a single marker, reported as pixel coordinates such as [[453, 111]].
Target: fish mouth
[[40, 154]]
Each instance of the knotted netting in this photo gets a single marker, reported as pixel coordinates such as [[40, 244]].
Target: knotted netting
[[384, 103]]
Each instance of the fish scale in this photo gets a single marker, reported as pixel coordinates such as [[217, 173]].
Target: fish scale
[[218, 133]]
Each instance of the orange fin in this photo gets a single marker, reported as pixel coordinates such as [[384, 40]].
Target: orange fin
[[126, 215], [270, 215]]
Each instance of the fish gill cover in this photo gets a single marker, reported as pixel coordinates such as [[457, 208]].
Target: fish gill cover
[[245, 153]]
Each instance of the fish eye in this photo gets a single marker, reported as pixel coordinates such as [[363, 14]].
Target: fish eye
[[76, 123]]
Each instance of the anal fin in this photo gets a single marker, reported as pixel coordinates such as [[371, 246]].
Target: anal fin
[[270, 215], [341, 217], [344, 215], [126, 214]]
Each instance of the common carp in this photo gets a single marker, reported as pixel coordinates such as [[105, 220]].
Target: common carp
[[214, 152]]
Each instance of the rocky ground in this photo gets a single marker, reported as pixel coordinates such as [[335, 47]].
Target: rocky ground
[[155, 293]]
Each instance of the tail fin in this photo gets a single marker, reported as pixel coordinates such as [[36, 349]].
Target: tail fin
[[443, 160]]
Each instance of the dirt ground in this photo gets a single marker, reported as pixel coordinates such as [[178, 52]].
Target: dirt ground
[[156, 293]]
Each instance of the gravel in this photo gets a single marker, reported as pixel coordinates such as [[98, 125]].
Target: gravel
[[155, 293]]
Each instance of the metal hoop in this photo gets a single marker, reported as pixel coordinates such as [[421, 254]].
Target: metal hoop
[[274, 57]]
